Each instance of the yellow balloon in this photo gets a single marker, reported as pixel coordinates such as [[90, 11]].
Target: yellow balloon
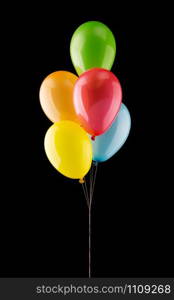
[[56, 96], [69, 149]]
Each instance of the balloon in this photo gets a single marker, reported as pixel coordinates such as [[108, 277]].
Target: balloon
[[97, 100], [106, 145], [56, 96], [92, 45], [69, 149]]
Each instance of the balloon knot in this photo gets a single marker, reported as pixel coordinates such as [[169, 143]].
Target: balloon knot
[[93, 137], [81, 180]]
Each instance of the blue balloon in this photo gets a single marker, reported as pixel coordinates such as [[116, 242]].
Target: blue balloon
[[107, 144]]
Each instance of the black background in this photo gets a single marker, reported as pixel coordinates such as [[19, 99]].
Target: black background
[[44, 218]]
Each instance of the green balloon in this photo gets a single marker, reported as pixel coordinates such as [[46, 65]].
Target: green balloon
[[92, 45]]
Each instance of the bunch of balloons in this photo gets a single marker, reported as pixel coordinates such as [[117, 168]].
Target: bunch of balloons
[[90, 121]]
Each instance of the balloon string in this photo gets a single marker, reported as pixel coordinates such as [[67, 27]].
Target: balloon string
[[90, 194], [85, 194], [91, 180], [89, 198], [93, 175], [86, 189], [94, 180], [89, 241]]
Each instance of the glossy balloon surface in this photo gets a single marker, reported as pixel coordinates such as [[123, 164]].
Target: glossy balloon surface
[[69, 149], [97, 100], [56, 96], [92, 45], [109, 143]]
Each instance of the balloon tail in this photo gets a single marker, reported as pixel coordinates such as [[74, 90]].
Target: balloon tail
[[93, 137], [81, 180]]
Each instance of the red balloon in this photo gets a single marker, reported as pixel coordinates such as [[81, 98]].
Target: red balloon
[[97, 100]]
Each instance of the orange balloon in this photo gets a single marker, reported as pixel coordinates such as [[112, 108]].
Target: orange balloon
[[56, 96]]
